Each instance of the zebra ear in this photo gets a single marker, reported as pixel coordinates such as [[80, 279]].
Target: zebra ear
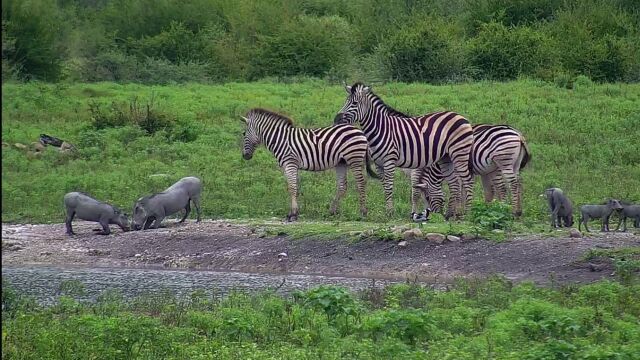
[[366, 89], [244, 119], [347, 88]]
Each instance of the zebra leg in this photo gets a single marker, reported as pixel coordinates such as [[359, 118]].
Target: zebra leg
[[506, 169], [291, 173], [463, 171], [357, 167], [487, 186], [417, 177], [455, 198], [387, 183], [341, 187]]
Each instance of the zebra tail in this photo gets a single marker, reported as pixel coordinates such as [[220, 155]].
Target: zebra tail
[[370, 171], [527, 154]]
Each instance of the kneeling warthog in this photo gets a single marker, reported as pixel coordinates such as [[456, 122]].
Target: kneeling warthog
[[90, 209], [154, 208]]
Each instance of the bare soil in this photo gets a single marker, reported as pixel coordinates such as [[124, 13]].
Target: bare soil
[[220, 245]]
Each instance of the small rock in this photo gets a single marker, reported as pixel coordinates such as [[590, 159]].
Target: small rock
[[412, 234], [67, 147], [467, 237], [435, 238], [575, 233], [596, 267], [283, 256], [402, 244], [137, 255], [20, 146], [604, 246], [5, 144], [37, 146], [497, 231], [98, 252], [45, 253], [453, 238]]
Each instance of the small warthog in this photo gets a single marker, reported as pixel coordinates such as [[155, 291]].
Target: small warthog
[[629, 211], [154, 208], [90, 209], [559, 207], [603, 212]]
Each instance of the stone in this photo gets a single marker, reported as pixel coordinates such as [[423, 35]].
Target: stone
[[67, 147], [453, 238], [98, 252], [468, 237], [596, 267], [435, 238], [37, 146], [20, 146], [412, 234], [575, 233], [402, 244]]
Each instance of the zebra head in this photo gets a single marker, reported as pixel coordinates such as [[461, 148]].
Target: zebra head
[[251, 138], [354, 105]]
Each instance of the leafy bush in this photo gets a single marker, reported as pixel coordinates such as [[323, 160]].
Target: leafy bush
[[144, 117], [305, 46], [34, 27], [421, 51], [490, 216], [334, 301], [504, 53], [508, 13]]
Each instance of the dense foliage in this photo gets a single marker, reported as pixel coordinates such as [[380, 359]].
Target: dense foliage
[[436, 41], [583, 140], [472, 319]]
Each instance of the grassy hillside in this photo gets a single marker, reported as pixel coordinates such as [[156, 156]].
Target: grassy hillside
[[584, 140]]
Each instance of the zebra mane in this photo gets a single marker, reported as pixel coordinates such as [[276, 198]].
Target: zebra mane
[[272, 115], [392, 111]]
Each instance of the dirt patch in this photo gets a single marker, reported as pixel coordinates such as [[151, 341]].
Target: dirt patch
[[220, 245]]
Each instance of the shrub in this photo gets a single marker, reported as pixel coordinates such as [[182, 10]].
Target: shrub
[[596, 39], [143, 117], [34, 26], [508, 12], [490, 216], [305, 46], [504, 53], [421, 51]]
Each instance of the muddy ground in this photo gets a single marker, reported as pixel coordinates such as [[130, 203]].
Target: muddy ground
[[219, 245]]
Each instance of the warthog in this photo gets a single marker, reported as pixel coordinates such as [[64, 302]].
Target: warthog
[[559, 207], [629, 211], [154, 208], [90, 209], [603, 212]]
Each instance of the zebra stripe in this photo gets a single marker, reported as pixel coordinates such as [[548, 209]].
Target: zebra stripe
[[499, 153], [399, 140], [338, 146]]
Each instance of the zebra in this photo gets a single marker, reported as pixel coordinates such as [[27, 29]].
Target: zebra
[[339, 146], [499, 153], [399, 140]]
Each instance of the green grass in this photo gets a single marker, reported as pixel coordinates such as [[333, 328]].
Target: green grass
[[584, 141], [473, 319]]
